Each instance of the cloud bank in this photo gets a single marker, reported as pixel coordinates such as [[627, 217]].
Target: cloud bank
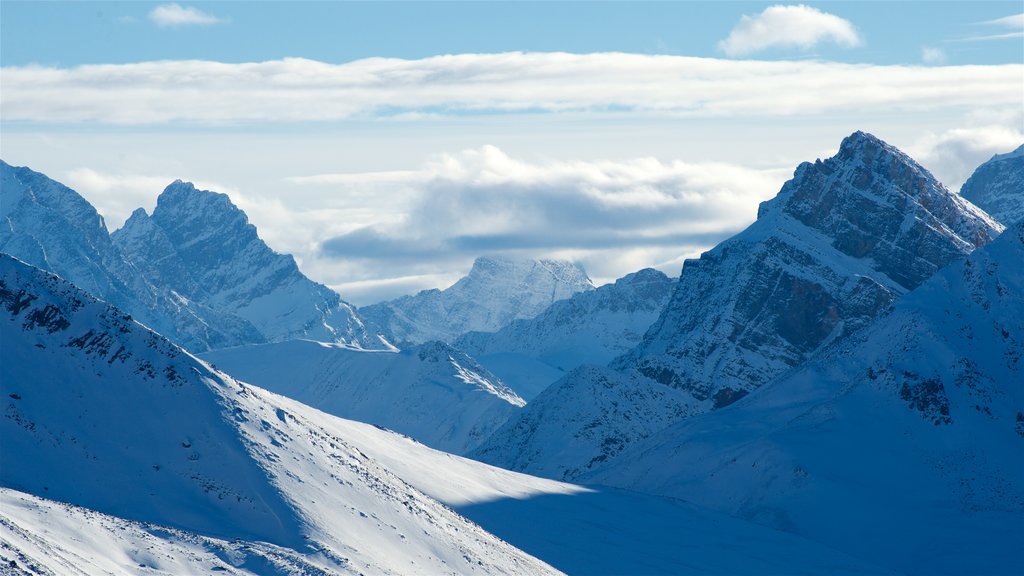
[[300, 90], [603, 213], [797, 26]]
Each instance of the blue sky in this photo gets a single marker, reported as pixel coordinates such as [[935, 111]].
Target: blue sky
[[73, 33], [387, 144]]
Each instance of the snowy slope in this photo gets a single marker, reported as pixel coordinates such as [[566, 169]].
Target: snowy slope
[[997, 186], [100, 411], [841, 241], [496, 291], [581, 420], [591, 327], [41, 537], [431, 392], [201, 246], [901, 445], [152, 434]]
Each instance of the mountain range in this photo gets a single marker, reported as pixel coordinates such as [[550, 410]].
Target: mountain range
[[831, 252], [179, 468], [195, 271], [835, 389]]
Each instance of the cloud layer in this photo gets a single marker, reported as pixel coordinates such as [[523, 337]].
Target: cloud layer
[[603, 213], [797, 26], [299, 90]]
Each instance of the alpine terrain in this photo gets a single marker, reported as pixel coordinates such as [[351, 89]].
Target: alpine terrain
[[900, 444], [833, 250], [195, 271], [179, 468]]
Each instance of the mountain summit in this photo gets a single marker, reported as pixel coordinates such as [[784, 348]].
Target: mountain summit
[[496, 291], [841, 241], [202, 247]]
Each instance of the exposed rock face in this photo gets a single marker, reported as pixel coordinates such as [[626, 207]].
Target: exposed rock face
[[495, 292], [590, 327], [841, 241], [203, 248], [997, 186]]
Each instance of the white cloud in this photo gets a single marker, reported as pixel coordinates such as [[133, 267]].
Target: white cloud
[[1012, 21], [299, 90], [613, 216], [1015, 22], [952, 155], [175, 15], [931, 55], [797, 26]]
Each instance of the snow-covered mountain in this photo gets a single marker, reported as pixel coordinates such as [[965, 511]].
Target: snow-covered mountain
[[182, 469], [997, 186], [590, 327], [901, 444], [196, 271], [103, 413], [51, 226], [431, 392], [841, 241], [203, 248], [496, 291]]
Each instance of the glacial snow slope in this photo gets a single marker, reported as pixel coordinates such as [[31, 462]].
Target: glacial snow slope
[[591, 327], [202, 247], [102, 413], [40, 537], [841, 241], [997, 186], [431, 392], [496, 291], [901, 444], [176, 448]]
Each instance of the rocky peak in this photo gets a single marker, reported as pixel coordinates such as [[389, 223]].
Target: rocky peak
[[871, 200], [831, 251]]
